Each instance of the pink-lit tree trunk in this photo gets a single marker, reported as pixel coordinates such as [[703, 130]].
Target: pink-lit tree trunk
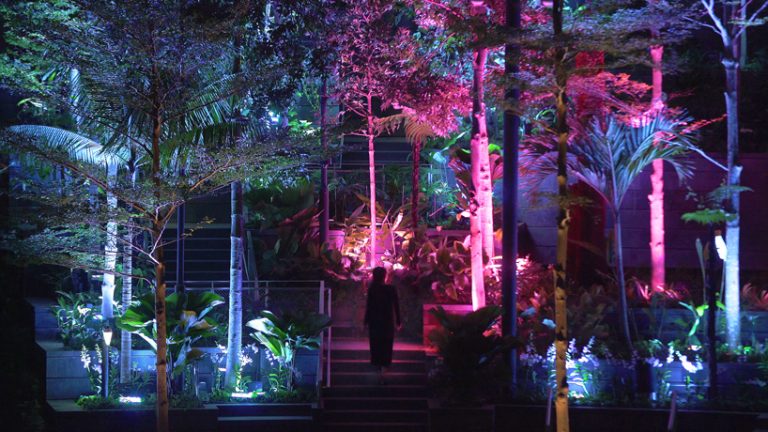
[[656, 198], [481, 212], [372, 180]]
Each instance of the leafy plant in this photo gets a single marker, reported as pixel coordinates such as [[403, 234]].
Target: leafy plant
[[468, 346], [187, 323], [97, 402], [79, 320], [283, 337]]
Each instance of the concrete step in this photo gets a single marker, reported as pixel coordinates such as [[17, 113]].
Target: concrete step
[[364, 354], [266, 424], [374, 403], [248, 410], [381, 391], [375, 416], [405, 366], [191, 254], [358, 349], [214, 263], [372, 378], [200, 242], [374, 427]]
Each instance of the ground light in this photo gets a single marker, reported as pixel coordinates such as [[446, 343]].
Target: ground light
[[722, 249], [129, 399], [107, 339]]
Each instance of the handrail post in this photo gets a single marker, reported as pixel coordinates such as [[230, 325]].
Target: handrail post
[[321, 309], [672, 422], [330, 337]]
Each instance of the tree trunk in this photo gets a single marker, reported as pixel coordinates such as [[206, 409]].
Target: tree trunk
[[110, 251], [126, 338], [732, 284], [158, 226], [127, 297], [481, 165], [236, 244], [656, 198], [511, 148], [619, 252], [324, 198], [235, 326], [563, 220], [162, 336], [478, 216], [372, 261], [415, 186]]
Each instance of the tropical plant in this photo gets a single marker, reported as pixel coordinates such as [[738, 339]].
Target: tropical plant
[[78, 319], [468, 345], [187, 323], [608, 156], [79, 148], [283, 337]]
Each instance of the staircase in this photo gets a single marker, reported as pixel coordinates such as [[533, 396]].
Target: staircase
[[356, 402], [206, 254]]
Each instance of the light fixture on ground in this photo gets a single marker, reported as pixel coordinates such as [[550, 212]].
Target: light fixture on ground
[[106, 341]]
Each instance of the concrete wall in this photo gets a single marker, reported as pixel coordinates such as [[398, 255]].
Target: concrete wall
[[680, 236]]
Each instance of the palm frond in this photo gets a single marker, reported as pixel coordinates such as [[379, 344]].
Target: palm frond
[[77, 147], [418, 131], [610, 156]]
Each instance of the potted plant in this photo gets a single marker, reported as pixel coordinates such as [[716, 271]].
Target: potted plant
[[468, 371]]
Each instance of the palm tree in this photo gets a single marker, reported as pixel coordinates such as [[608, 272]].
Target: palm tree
[[608, 156], [83, 149]]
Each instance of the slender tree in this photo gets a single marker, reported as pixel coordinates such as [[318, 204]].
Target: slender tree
[[563, 219], [730, 21], [474, 23], [162, 89], [370, 51], [509, 203]]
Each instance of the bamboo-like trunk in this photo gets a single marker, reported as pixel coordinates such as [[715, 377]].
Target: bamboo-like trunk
[[110, 250], [126, 338], [480, 170], [236, 245], [656, 198], [732, 226], [235, 326], [563, 220], [415, 185], [372, 261], [127, 297]]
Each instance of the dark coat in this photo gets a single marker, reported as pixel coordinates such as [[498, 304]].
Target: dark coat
[[382, 315]]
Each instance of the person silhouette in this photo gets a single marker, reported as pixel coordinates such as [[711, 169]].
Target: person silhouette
[[382, 317]]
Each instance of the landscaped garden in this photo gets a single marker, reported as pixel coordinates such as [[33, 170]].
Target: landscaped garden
[[567, 198]]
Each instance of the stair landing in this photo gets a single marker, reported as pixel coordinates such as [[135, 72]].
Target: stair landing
[[357, 402]]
